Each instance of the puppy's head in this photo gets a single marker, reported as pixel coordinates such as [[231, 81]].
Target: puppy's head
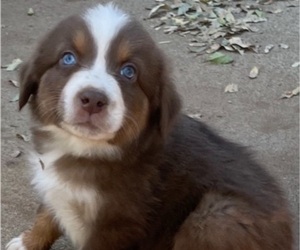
[[99, 76]]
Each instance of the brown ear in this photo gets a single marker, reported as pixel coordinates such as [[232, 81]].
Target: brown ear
[[28, 83], [169, 107]]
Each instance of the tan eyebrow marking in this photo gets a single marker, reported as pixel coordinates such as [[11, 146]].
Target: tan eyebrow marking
[[80, 41], [124, 50]]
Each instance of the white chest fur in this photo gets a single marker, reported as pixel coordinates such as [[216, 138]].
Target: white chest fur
[[74, 207]]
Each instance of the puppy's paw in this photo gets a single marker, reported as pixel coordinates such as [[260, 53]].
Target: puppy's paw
[[16, 244]]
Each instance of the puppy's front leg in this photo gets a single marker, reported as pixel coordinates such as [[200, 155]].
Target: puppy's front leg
[[41, 236]]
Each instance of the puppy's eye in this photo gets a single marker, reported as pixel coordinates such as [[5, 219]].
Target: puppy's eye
[[68, 59], [128, 71]]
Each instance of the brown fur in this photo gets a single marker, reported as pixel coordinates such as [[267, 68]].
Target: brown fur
[[177, 185], [44, 231]]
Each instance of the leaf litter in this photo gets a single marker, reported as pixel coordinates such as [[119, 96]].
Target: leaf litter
[[16, 154], [231, 88], [289, 94], [30, 12], [14, 83], [210, 24], [15, 98], [13, 65], [254, 72], [268, 48], [25, 138]]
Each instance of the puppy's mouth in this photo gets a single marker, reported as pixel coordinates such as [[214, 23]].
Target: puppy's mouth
[[87, 130]]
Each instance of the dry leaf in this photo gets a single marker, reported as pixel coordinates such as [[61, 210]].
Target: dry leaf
[[290, 94], [268, 48], [30, 12], [208, 20], [238, 41], [277, 11], [213, 48], [283, 46], [295, 64], [16, 154], [254, 72], [197, 49], [15, 98], [195, 116], [23, 137], [231, 88], [14, 65], [164, 42], [14, 83], [154, 11]]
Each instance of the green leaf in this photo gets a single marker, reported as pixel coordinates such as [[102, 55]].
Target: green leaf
[[220, 58]]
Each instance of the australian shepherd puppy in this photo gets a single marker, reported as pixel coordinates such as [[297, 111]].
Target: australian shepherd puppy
[[118, 167]]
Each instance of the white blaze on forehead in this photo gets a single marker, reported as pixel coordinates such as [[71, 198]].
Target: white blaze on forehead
[[104, 21]]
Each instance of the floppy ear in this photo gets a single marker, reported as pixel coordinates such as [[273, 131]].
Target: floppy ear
[[28, 83], [169, 107]]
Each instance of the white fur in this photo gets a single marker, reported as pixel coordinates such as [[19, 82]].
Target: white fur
[[63, 197], [104, 23], [16, 244], [67, 143]]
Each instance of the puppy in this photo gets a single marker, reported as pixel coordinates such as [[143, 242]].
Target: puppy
[[117, 166]]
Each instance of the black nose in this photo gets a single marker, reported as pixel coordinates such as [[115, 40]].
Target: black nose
[[92, 100]]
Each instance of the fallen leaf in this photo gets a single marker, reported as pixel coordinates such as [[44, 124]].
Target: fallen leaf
[[295, 64], [23, 137], [170, 29], [14, 65], [292, 93], [14, 83], [277, 11], [16, 154], [268, 48], [195, 116], [164, 42], [238, 41], [197, 44], [254, 72], [283, 46], [208, 21], [254, 18], [154, 10], [228, 48], [183, 9], [197, 49], [15, 98], [213, 48], [30, 12], [220, 58], [231, 88]]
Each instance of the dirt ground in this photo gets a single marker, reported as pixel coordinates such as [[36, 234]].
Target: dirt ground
[[254, 116]]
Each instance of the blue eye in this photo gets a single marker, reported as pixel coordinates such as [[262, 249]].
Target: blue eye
[[68, 59], [128, 71]]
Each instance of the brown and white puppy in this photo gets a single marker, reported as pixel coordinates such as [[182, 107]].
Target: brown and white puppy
[[116, 164]]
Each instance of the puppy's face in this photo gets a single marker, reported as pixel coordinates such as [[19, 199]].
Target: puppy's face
[[99, 76]]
